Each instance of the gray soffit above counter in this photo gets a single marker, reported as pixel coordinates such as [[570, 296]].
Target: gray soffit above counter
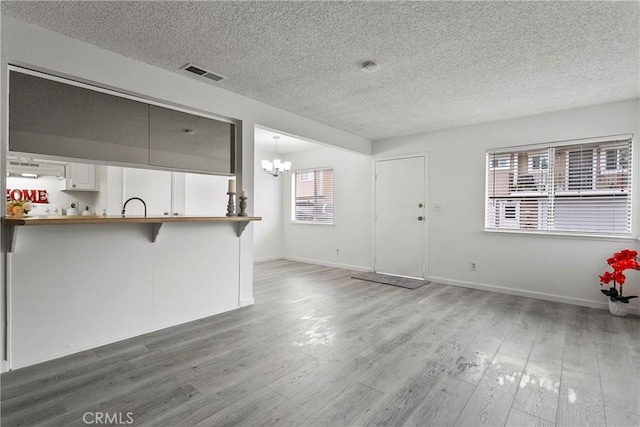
[[441, 64]]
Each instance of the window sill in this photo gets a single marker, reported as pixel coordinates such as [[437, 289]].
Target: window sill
[[578, 236], [313, 223]]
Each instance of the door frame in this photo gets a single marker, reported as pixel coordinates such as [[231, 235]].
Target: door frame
[[425, 237]]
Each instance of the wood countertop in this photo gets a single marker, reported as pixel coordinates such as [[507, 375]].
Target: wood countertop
[[118, 219], [12, 224]]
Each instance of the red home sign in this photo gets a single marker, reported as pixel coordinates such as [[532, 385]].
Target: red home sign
[[35, 196]]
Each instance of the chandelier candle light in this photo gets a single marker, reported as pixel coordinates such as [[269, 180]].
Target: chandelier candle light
[[276, 167]]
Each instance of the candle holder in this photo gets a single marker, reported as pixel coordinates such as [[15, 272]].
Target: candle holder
[[230, 204], [243, 206]]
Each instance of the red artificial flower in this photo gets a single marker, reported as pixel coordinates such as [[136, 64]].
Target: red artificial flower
[[620, 261], [627, 254], [606, 278], [618, 277], [625, 264]]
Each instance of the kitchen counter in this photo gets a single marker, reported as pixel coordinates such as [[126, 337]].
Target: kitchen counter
[[11, 223], [110, 219]]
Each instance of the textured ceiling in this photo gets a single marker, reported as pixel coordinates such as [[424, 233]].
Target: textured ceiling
[[442, 64]]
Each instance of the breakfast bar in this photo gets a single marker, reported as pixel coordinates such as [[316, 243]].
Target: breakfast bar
[[11, 222], [78, 282]]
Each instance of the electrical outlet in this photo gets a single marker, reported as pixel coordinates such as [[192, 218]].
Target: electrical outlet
[[473, 266]]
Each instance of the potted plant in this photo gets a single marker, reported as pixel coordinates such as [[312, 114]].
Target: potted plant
[[619, 262]]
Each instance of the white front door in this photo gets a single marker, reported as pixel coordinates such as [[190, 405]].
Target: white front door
[[400, 225]]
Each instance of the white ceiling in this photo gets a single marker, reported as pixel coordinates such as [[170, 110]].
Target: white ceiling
[[442, 64]]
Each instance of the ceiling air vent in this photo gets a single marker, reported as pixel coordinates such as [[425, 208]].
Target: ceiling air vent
[[203, 73]]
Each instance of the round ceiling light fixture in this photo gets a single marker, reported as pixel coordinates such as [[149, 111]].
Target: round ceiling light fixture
[[369, 66]]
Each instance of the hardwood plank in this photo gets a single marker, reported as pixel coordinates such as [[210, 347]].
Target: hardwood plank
[[443, 404], [539, 389], [122, 384], [522, 419], [476, 358], [32, 415], [309, 401], [580, 352], [580, 402], [396, 407], [236, 414], [144, 404], [51, 371], [513, 354], [622, 395], [614, 358], [347, 408], [218, 395], [617, 418], [18, 400], [490, 403], [334, 367], [257, 375]]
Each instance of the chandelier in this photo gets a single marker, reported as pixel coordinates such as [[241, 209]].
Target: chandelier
[[276, 166]]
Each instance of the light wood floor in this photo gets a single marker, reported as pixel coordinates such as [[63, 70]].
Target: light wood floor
[[321, 349]]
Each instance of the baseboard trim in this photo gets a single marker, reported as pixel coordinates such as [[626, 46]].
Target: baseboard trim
[[328, 264], [603, 305], [246, 302], [265, 259]]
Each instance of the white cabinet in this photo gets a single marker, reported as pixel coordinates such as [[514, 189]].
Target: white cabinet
[[64, 120], [81, 177], [185, 141]]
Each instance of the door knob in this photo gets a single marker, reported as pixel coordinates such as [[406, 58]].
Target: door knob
[[420, 218]]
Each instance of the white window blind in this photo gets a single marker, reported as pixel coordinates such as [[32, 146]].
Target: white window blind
[[313, 196], [578, 186]]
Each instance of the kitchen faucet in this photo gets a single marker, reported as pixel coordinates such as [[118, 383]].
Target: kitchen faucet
[[134, 198]]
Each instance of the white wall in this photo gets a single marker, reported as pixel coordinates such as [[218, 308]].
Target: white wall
[[205, 195], [351, 233], [34, 47], [267, 235], [557, 268]]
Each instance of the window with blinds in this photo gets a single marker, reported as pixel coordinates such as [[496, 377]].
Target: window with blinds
[[313, 196], [577, 186]]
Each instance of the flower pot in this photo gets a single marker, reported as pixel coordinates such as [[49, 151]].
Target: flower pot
[[619, 308]]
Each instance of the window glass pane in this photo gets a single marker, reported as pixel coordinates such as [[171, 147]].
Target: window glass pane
[[567, 188], [313, 196], [580, 170]]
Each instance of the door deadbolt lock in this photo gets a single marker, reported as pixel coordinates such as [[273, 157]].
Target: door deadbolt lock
[[419, 205], [420, 218]]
